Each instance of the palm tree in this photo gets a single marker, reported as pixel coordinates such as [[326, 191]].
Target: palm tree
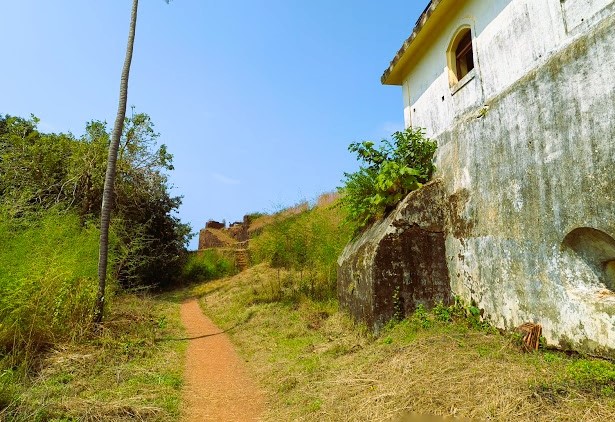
[[107, 201]]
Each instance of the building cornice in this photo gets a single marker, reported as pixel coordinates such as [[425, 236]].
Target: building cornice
[[393, 75]]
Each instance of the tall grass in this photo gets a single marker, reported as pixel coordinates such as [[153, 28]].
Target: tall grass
[[48, 269], [307, 245], [130, 371]]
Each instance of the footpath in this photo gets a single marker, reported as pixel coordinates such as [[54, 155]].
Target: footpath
[[217, 385]]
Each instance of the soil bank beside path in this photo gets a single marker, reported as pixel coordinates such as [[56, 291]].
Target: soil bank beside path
[[217, 385]]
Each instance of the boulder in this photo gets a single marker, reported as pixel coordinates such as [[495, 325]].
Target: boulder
[[399, 262]]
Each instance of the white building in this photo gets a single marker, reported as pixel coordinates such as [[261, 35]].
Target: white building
[[520, 95]]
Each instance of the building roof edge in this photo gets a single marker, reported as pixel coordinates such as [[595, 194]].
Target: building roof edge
[[389, 77]]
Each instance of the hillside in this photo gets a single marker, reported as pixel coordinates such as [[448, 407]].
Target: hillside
[[315, 364], [307, 356]]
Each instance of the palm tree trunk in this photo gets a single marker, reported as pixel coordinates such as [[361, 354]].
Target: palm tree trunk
[[107, 201]]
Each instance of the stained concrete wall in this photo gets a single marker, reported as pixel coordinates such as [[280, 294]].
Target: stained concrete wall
[[538, 165], [527, 153]]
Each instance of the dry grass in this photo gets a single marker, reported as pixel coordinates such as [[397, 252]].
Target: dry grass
[[317, 366], [129, 372], [324, 200], [327, 199]]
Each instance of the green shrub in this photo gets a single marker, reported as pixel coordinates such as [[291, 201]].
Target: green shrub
[[208, 265], [48, 270], [40, 171], [387, 174]]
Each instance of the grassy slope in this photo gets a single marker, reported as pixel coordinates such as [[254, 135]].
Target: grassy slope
[[51, 367], [133, 371], [47, 280], [315, 365]]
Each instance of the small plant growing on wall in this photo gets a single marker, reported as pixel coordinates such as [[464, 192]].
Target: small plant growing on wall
[[387, 174]]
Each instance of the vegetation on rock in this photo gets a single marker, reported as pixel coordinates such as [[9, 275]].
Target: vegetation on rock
[[387, 174]]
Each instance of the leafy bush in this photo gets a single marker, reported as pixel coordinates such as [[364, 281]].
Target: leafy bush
[[387, 174], [40, 171], [207, 265]]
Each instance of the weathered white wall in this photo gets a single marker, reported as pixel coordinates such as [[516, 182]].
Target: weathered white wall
[[511, 37], [534, 165], [427, 83], [580, 14]]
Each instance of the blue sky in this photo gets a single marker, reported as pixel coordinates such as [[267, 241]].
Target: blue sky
[[256, 99]]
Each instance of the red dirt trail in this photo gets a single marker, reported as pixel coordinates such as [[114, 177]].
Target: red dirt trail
[[218, 387]]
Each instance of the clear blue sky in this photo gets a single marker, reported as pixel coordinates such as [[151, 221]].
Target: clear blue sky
[[256, 99]]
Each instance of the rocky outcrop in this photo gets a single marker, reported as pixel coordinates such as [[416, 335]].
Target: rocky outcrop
[[400, 262]]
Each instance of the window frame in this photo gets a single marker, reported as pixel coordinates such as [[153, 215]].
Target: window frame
[[452, 59]]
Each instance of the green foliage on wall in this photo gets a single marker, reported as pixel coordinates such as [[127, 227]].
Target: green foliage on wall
[[387, 174]]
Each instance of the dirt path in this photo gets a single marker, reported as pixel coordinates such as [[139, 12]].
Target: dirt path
[[218, 387]]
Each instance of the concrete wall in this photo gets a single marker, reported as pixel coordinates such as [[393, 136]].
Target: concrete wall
[[529, 143]]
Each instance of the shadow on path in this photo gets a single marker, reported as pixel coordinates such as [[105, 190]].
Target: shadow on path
[[239, 324], [217, 385]]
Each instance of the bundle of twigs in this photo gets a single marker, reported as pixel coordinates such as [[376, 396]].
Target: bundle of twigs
[[531, 335]]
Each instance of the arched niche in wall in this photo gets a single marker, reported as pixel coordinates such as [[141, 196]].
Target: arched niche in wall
[[597, 249], [460, 55]]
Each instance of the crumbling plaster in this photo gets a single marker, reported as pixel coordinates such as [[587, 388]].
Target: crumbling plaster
[[528, 145], [539, 163]]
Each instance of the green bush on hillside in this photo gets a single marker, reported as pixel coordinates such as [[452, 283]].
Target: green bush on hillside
[[387, 174], [40, 171], [48, 269], [207, 265]]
